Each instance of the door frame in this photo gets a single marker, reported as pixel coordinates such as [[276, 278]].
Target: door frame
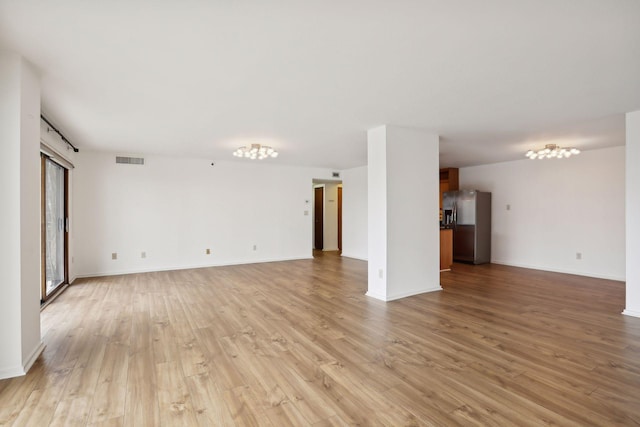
[[320, 220], [44, 297], [340, 218]]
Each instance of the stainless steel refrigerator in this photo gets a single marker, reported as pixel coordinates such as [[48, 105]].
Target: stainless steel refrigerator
[[468, 212]]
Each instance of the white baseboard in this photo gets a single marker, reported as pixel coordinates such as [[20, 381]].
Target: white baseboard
[[33, 356], [18, 371], [189, 267], [376, 296], [632, 313], [347, 255], [563, 271], [387, 298], [14, 371], [412, 293]]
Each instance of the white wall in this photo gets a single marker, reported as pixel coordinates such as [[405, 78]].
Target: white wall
[[412, 212], [175, 208], [20, 221], [10, 217], [377, 212], [30, 214], [558, 208], [403, 232], [354, 213], [632, 217]]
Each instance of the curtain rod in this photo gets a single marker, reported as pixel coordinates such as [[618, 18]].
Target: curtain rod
[[75, 150]]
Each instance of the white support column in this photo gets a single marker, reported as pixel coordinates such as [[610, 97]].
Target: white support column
[[20, 342], [632, 233], [403, 231]]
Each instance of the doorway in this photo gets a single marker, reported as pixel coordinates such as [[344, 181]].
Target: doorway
[[340, 218], [54, 227], [327, 215], [318, 218]]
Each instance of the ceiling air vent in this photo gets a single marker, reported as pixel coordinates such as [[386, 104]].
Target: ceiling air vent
[[130, 160], [335, 174]]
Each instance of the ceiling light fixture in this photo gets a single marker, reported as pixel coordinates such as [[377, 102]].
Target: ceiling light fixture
[[551, 151], [255, 151]]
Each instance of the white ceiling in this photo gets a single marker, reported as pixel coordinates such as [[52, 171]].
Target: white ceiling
[[198, 78]]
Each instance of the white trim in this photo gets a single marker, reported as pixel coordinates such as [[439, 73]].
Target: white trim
[[402, 295], [554, 270], [412, 293], [354, 257], [376, 296], [55, 155], [33, 357], [632, 313], [189, 267], [16, 371]]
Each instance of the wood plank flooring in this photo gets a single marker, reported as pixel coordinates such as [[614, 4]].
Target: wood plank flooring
[[298, 343]]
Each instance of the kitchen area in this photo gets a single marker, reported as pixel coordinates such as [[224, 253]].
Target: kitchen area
[[465, 222]]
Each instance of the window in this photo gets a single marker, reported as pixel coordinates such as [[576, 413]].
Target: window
[[55, 224]]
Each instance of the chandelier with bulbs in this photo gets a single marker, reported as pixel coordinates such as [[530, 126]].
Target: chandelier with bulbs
[[255, 151], [551, 151]]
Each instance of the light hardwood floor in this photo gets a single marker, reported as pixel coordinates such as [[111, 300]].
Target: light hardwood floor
[[298, 343]]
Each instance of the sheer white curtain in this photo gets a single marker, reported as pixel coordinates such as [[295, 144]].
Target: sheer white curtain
[[54, 225]]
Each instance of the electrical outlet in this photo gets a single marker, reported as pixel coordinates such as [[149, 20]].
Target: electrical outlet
[[306, 213], [143, 254], [578, 255], [508, 207], [255, 247], [207, 251], [380, 273], [114, 255]]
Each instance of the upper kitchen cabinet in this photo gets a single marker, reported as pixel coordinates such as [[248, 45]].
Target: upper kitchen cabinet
[[448, 182]]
